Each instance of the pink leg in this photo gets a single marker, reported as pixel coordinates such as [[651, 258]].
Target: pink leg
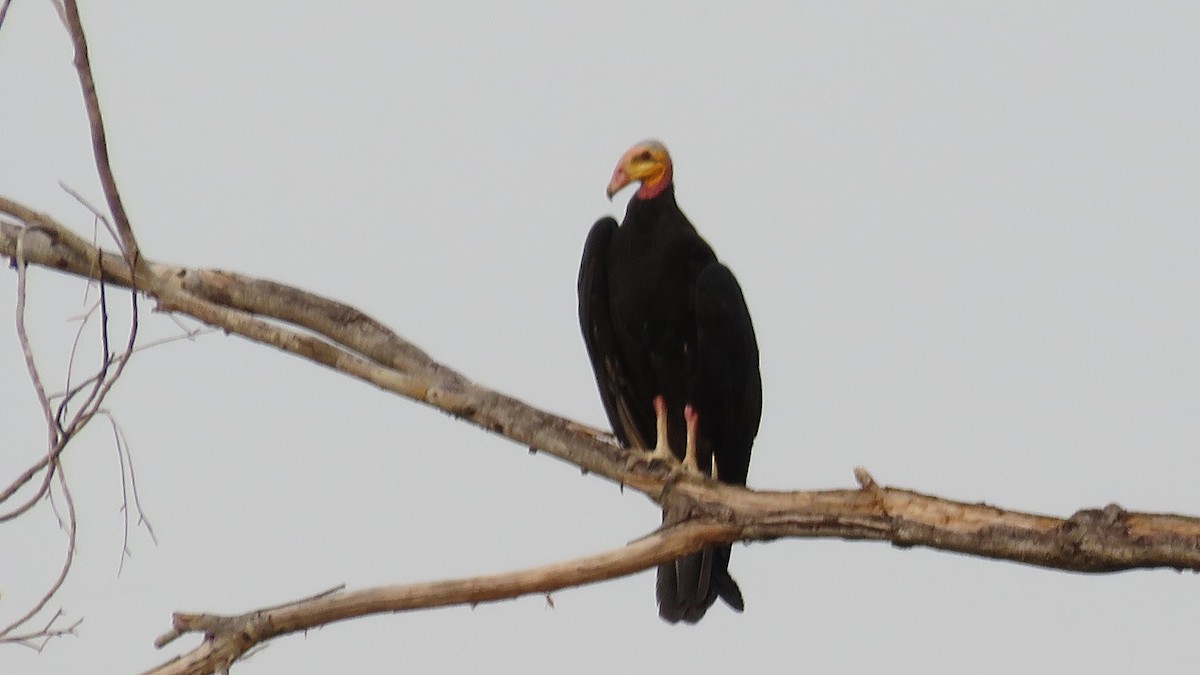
[[662, 447], [690, 463]]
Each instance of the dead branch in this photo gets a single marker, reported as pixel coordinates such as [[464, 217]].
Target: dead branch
[[37, 640], [71, 525], [1090, 541], [330, 333], [1102, 540], [87, 84], [227, 638]]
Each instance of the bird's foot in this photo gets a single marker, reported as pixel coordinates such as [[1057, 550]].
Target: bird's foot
[[662, 453], [659, 456]]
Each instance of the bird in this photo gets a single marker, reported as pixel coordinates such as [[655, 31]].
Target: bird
[[675, 356]]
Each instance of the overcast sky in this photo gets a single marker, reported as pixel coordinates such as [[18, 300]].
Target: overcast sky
[[969, 237]]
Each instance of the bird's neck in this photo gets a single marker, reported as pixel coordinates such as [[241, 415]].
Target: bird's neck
[[651, 189], [663, 197]]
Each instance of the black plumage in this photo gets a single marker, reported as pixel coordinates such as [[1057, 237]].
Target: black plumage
[[663, 319]]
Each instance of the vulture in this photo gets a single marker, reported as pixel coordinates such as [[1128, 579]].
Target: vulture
[[674, 354]]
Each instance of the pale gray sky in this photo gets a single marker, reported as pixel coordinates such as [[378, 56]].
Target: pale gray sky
[[968, 235]]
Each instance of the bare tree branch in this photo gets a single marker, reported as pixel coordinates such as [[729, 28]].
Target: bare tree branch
[[1090, 541], [873, 513], [228, 637], [71, 526], [129, 489], [37, 640], [23, 337], [56, 440], [331, 334], [87, 84]]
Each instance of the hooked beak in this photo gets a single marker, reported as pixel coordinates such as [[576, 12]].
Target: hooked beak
[[619, 180]]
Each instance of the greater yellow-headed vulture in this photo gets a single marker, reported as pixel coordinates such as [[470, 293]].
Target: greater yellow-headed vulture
[[674, 353]]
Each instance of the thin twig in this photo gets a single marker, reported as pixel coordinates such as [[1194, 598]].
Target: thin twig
[[105, 378], [26, 348], [143, 519], [55, 440], [72, 527], [3, 12], [105, 356], [129, 488], [70, 392], [118, 440], [191, 334], [108, 182], [27, 476], [37, 639], [99, 215]]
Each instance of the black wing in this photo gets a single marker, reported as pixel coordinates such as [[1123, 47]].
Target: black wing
[[730, 385], [595, 321], [727, 388]]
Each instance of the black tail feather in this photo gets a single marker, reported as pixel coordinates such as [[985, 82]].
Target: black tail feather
[[690, 585]]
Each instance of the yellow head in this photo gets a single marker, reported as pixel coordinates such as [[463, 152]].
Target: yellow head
[[648, 163]]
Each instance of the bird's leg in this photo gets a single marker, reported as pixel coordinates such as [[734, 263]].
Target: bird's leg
[[690, 464], [662, 447]]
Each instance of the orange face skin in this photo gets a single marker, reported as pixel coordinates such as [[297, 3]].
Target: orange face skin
[[647, 162]]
